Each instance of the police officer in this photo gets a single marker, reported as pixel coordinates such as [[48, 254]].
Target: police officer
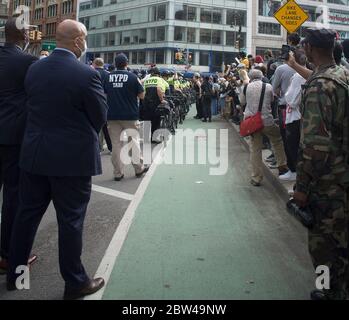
[[154, 96], [14, 64], [123, 90], [165, 75], [322, 171]]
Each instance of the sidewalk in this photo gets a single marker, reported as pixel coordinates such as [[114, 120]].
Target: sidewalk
[[196, 236]]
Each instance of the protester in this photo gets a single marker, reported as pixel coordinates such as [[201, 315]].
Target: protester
[[197, 88], [293, 116], [123, 90], [254, 94], [60, 153], [281, 82]]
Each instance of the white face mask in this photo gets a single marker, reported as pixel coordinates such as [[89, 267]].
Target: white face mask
[[83, 51]]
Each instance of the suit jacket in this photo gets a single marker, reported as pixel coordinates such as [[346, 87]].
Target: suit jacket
[[66, 110], [104, 74], [14, 65]]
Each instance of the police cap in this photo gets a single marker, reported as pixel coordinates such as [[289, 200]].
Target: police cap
[[320, 38], [121, 60]]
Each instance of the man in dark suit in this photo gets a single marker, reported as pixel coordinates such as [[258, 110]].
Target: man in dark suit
[[14, 64], [66, 110], [98, 64]]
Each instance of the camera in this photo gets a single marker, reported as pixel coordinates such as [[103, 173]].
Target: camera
[[285, 50], [303, 215]]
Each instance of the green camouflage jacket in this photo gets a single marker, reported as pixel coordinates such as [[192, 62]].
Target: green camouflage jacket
[[322, 155]]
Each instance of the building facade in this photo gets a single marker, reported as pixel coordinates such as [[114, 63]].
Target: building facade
[[199, 34], [267, 33], [46, 14], [3, 17]]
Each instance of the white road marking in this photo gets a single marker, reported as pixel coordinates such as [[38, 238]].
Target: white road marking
[[107, 264], [112, 192]]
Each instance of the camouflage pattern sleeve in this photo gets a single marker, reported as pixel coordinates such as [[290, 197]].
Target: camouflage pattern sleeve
[[321, 128]]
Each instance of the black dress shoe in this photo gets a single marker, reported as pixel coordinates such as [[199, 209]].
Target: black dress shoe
[[318, 295], [146, 169], [4, 263], [92, 287], [119, 178], [11, 286]]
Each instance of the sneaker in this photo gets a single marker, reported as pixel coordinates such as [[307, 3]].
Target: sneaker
[[255, 183], [118, 178], [272, 165], [271, 158], [140, 174], [288, 176], [290, 192]]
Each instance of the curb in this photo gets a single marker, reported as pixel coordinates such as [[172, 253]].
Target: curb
[[270, 174]]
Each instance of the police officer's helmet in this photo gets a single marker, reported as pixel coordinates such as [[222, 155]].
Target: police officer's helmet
[[154, 71], [165, 73]]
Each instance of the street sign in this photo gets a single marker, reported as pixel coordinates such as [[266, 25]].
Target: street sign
[[291, 16], [49, 45]]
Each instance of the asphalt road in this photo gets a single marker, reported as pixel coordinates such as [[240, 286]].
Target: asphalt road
[[103, 216], [228, 214]]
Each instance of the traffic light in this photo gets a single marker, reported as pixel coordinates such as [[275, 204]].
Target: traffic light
[[38, 35], [32, 35]]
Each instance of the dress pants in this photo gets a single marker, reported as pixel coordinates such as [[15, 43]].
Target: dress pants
[[282, 126], [70, 197], [293, 135], [199, 111], [9, 178], [206, 106]]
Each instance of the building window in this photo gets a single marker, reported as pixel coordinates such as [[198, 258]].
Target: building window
[[342, 2], [38, 13], [141, 57], [269, 28], [191, 35], [216, 16], [179, 34], [160, 56], [216, 37], [206, 15], [236, 17], [67, 7], [184, 12], [205, 36], [158, 13], [204, 58], [51, 29], [52, 10], [158, 34], [267, 8]]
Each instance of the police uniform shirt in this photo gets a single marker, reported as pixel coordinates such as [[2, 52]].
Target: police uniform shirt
[[122, 88]]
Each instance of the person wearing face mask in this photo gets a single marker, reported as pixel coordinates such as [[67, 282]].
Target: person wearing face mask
[[59, 155], [14, 64]]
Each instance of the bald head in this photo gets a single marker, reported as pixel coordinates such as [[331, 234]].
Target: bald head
[[71, 35]]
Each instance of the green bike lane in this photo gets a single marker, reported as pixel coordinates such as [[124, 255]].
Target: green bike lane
[[199, 236]]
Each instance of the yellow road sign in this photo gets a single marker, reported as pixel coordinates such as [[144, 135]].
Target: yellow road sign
[[291, 16]]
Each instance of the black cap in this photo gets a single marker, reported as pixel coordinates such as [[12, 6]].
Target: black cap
[[320, 38], [121, 60]]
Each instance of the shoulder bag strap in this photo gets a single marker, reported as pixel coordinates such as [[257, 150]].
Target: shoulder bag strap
[[262, 97]]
